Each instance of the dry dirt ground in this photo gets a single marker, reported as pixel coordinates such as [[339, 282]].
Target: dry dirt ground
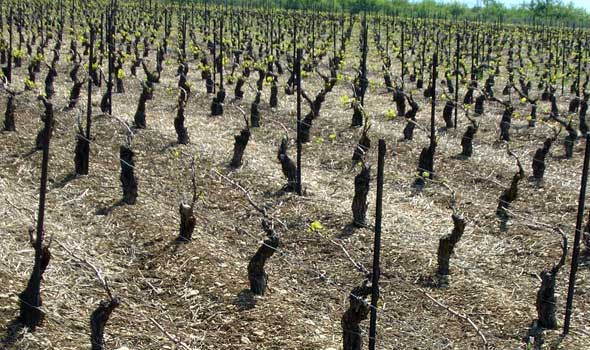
[[198, 292]]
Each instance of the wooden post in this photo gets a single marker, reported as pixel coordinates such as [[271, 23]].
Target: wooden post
[[576, 249], [377, 246]]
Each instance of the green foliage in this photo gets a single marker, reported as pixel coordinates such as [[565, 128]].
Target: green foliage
[[316, 226], [491, 10], [30, 84], [391, 114]]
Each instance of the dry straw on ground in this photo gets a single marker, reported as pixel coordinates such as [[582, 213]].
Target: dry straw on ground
[[194, 296]]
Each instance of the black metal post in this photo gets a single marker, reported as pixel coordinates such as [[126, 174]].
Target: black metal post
[[579, 83], [213, 63], [299, 146], [387, 37], [9, 64], [333, 33], [294, 41], [101, 35], [457, 54], [433, 97], [577, 236], [221, 50], [472, 57], [377, 246], [111, 44], [403, 39], [563, 67], [313, 38], [89, 104], [364, 57]]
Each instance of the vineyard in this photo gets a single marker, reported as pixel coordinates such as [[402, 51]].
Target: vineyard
[[191, 175]]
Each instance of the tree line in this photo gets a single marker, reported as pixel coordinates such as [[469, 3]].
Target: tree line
[[531, 11]]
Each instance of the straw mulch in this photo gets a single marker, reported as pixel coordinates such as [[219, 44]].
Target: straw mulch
[[198, 292]]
